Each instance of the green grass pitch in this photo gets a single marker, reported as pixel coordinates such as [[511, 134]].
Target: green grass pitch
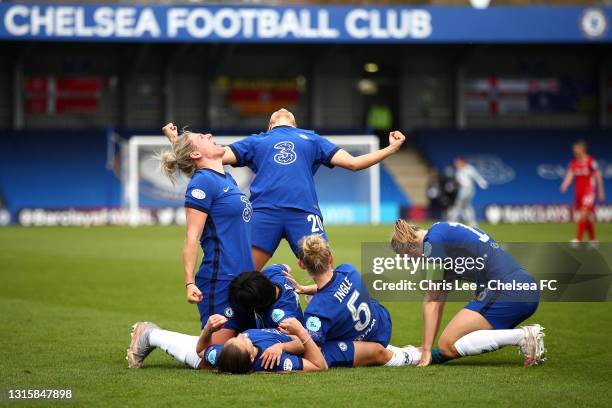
[[69, 296]]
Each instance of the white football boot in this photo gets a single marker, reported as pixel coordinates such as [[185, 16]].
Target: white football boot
[[532, 345], [139, 344]]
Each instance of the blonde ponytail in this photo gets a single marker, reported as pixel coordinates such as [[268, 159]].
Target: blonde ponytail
[[405, 239], [179, 159], [315, 253]]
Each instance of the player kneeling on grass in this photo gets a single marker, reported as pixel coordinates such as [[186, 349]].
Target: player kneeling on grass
[[352, 328], [486, 323], [288, 349]]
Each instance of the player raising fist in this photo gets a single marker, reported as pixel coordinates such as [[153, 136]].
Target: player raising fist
[[285, 159]]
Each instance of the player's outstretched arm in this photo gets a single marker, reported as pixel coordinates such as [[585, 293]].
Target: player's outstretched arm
[[195, 225], [347, 161], [299, 288], [214, 324], [433, 307], [313, 358], [229, 157], [569, 177], [482, 183]]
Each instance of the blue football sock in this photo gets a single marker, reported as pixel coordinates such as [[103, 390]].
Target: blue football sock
[[437, 357]]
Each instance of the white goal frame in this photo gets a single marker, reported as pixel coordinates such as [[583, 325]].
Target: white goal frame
[[131, 178]]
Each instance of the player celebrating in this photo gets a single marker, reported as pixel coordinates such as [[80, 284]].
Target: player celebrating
[[486, 323], [218, 216], [271, 297], [251, 351], [265, 298], [341, 317], [285, 160], [586, 172]]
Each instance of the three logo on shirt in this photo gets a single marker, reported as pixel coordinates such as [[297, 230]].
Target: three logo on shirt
[[287, 153]]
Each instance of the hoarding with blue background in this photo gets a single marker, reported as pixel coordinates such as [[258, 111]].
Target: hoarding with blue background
[[329, 24]]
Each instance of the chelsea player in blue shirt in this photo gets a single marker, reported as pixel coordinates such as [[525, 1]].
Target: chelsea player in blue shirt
[[266, 298], [290, 348], [218, 219], [352, 328], [488, 322], [285, 160]]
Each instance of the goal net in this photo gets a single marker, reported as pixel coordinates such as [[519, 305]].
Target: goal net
[[345, 197]]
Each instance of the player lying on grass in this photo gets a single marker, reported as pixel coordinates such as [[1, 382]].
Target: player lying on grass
[[486, 323], [341, 316], [272, 305], [270, 297], [289, 348], [218, 216], [285, 160], [585, 171]]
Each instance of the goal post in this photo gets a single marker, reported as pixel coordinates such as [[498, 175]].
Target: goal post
[[345, 197]]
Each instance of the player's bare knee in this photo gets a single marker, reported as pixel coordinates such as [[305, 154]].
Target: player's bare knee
[[382, 356], [447, 348]]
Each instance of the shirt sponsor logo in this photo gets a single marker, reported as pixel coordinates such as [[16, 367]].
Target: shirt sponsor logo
[[248, 209], [197, 193], [287, 154]]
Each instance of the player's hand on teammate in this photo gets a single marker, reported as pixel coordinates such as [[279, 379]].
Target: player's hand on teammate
[[215, 323], [194, 295], [425, 358], [170, 132], [396, 139], [299, 289], [291, 326], [271, 357]]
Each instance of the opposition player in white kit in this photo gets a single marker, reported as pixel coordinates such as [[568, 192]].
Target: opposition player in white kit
[[463, 210]]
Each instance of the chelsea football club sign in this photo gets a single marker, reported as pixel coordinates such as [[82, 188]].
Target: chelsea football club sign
[[331, 24]]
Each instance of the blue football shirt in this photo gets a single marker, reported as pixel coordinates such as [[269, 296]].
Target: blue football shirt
[[226, 239], [455, 243], [343, 310], [288, 303], [262, 339], [285, 160]]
